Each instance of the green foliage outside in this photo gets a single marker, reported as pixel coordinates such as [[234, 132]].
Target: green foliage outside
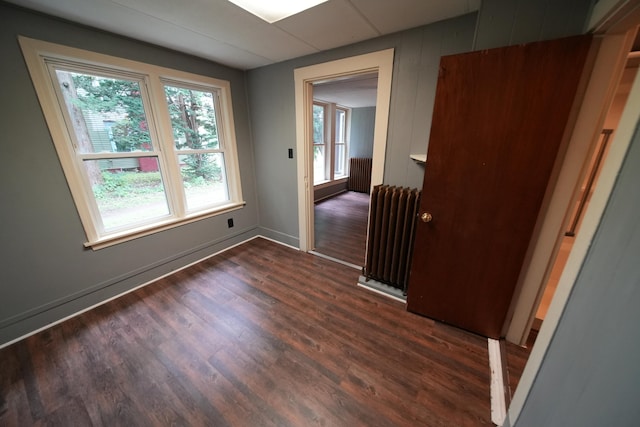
[[130, 189], [194, 127], [119, 187], [120, 190], [124, 184], [122, 97], [192, 118]]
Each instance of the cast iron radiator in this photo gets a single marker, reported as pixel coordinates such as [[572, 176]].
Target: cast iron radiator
[[392, 219], [359, 175]]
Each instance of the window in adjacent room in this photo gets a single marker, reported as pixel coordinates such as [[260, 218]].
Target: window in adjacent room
[[319, 142], [143, 148], [330, 142], [340, 143]]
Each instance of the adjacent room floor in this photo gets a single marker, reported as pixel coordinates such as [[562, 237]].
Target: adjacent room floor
[[341, 227], [258, 335]]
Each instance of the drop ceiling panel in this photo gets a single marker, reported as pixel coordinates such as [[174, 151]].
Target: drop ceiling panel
[[221, 20], [392, 16], [223, 32], [328, 25]]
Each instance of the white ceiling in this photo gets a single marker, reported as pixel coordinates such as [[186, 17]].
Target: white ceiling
[[223, 32], [355, 91]]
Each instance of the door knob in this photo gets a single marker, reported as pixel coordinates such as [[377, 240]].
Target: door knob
[[426, 217]]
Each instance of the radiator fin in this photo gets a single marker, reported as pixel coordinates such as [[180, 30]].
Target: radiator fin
[[391, 232], [359, 174]]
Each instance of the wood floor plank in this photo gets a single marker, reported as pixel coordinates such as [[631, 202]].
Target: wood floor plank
[[516, 358], [341, 227], [260, 335]]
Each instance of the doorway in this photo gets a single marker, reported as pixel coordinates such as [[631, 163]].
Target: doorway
[[606, 79], [377, 62], [586, 190], [343, 130], [609, 61]]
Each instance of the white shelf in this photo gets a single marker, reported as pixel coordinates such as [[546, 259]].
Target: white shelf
[[420, 158]]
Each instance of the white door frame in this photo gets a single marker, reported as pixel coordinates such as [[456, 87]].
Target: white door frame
[[591, 219], [553, 221], [618, 21], [380, 62]]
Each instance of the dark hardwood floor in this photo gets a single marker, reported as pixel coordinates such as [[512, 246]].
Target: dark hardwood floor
[[516, 358], [258, 335], [341, 227]]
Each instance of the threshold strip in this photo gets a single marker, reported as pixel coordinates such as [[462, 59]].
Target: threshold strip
[[330, 258]]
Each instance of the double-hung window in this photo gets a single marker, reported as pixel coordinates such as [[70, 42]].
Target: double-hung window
[[330, 142], [319, 142], [143, 148], [340, 143]]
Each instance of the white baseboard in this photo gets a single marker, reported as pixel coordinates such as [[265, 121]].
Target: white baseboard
[[498, 403]]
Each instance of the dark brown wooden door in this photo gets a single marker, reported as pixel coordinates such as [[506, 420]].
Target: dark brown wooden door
[[498, 121]]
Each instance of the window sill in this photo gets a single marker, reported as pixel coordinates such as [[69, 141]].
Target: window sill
[[324, 184], [125, 236]]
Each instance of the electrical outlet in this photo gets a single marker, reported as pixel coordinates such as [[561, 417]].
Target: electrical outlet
[[230, 222]]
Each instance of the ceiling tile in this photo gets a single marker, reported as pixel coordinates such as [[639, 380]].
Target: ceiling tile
[[223, 32], [226, 23], [328, 25], [391, 16]]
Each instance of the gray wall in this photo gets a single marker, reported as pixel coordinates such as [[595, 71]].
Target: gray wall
[[271, 89], [510, 22], [417, 56], [328, 191], [590, 374], [45, 272], [361, 135]]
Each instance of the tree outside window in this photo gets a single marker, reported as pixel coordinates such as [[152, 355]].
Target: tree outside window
[[143, 148]]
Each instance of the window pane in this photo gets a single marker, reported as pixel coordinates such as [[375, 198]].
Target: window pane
[[318, 164], [318, 124], [204, 180], [128, 191], [340, 159], [107, 114], [340, 125], [193, 118]]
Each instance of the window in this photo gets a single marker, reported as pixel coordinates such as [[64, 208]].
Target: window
[[340, 143], [319, 143], [143, 148], [330, 142]]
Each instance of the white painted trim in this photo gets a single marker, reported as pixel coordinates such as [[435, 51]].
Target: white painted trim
[[599, 93], [39, 57], [498, 404], [339, 261], [610, 169], [136, 233], [271, 240], [382, 62], [420, 158]]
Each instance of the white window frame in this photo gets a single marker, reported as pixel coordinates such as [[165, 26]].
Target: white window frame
[[344, 142], [325, 143], [39, 54], [330, 142]]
